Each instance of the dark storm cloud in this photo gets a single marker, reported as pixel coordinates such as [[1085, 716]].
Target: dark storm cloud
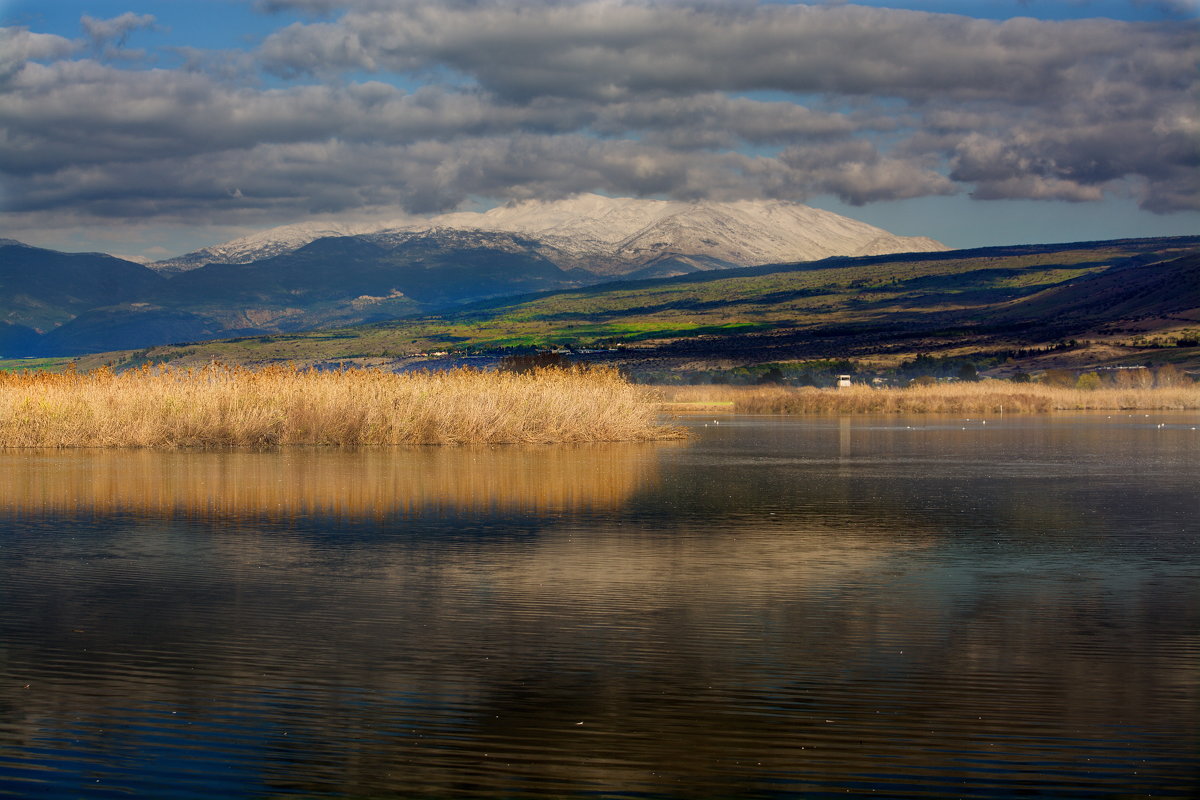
[[86, 113], [77, 112], [690, 100], [607, 50], [88, 134], [1070, 108], [333, 176]]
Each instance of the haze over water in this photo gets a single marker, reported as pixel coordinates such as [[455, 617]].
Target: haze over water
[[925, 607]]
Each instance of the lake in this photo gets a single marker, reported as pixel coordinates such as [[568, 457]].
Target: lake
[[775, 608]]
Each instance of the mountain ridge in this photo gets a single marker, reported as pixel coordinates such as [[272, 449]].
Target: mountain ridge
[[613, 236], [1110, 295]]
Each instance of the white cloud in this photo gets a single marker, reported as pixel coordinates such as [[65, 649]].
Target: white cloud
[[19, 46], [105, 31]]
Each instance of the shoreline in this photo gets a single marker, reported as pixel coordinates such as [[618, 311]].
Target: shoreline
[[986, 397]]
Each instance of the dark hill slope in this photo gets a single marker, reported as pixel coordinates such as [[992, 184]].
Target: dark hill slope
[[1127, 292], [86, 303], [333, 268], [44, 288], [17, 339], [125, 327]]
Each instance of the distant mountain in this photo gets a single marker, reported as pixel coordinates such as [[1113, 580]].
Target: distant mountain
[[314, 275], [337, 280], [127, 326], [42, 289], [258, 246], [615, 236], [17, 340], [612, 236], [428, 267]]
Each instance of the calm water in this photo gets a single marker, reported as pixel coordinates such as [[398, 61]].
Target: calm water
[[776, 608]]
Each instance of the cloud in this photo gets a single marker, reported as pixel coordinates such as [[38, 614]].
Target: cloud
[[544, 99], [857, 172], [310, 6], [18, 46], [1060, 93], [1186, 8], [609, 49], [115, 30], [81, 118], [715, 120], [424, 175]]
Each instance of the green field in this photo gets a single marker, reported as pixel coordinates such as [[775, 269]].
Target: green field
[[34, 364]]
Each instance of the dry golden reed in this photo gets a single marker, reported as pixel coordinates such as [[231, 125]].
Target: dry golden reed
[[985, 397], [233, 406]]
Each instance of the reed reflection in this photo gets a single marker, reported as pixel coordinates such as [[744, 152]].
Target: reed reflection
[[344, 484]]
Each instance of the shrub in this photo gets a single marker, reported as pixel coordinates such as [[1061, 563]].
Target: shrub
[[1167, 376], [547, 359], [772, 376], [1058, 377]]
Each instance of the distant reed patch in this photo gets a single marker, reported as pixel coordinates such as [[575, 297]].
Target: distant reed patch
[[985, 397], [223, 405]]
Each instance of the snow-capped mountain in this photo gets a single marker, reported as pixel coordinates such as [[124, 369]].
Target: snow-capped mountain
[[608, 235], [613, 236], [264, 244]]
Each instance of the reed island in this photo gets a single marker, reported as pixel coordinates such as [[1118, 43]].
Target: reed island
[[220, 405]]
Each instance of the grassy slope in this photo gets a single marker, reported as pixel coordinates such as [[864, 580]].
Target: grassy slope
[[33, 364], [880, 307]]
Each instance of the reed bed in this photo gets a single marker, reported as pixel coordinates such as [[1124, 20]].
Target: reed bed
[[985, 397], [233, 406]]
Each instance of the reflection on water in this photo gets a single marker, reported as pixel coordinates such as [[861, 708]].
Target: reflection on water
[[349, 483], [778, 608]]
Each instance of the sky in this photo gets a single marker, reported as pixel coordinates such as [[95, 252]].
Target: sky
[[149, 129]]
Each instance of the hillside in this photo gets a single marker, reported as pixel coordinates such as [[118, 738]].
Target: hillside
[[1123, 297], [314, 276], [83, 303], [40, 289]]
